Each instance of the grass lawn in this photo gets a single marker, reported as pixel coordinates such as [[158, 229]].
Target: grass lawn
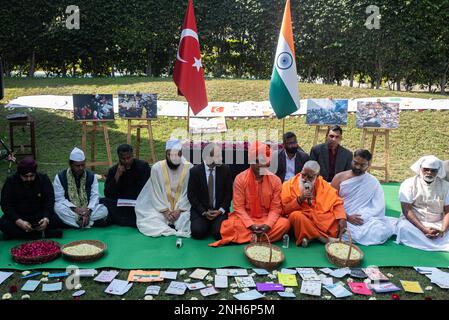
[[420, 133]]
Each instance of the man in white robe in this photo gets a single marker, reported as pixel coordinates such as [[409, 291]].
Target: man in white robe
[[425, 207], [364, 202], [77, 200], [163, 208]]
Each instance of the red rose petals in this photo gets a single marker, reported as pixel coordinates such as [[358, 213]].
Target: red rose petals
[[35, 249]]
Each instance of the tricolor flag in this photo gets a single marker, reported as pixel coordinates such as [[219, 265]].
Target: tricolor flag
[[284, 93]]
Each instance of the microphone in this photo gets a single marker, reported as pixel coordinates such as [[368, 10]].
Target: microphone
[[307, 187]]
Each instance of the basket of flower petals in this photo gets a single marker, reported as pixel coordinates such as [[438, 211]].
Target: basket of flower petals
[[264, 255], [36, 252], [84, 250], [344, 254]]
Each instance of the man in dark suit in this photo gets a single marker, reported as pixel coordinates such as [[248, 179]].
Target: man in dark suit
[[210, 193], [332, 157], [291, 159]]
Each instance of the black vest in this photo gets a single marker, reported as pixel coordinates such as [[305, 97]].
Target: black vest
[[89, 180]]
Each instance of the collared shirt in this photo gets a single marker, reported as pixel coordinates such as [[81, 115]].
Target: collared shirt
[[289, 167], [332, 162], [214, 175]]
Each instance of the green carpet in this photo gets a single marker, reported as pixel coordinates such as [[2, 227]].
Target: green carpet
[[128, 249]]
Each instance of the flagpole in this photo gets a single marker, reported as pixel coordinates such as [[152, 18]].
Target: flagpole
[[188, 120]]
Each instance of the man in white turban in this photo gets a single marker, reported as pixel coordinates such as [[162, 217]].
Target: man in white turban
[[425, 206], [163, 208], [76, 195]]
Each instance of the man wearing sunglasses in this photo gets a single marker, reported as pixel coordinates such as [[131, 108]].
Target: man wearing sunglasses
[[332, 157], [425, 207], [364, 202], [27, 201]]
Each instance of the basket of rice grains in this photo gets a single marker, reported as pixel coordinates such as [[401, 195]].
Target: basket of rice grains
[[83, 251], [36, 252], [264, 255], [344, 254]]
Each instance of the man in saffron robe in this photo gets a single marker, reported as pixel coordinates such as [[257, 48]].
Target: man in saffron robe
[[313, 207], [256, 202]]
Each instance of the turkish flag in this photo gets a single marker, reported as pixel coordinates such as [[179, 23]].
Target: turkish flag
[[189, 73]]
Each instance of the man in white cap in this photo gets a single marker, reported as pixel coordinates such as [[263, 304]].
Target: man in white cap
[[76, 195], [425, 207], [163, 208]]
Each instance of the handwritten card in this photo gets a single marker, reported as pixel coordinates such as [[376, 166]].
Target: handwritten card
[[326, 270], [411, 286], [118, 287], [339, 273], [170, 275], [30, 285], [287, 280], [287, 295], [199, 274], [5, 275], [288, 271], [250, 295], [261, 272], [384, 287], [209, 291], [52, 287], [360, 288], [144, 276], [221, 281], [106, 276], [311, 288], [374, 274], [245, 282], [326, 280], [195, 286], [338, 290], [267, 287], [176, 288], [232, 272], [358, 273], [152, 290]]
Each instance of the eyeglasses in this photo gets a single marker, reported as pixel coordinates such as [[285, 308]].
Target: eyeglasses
[[430, 170]]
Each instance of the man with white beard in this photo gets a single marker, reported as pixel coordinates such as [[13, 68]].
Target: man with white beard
[[425, 207]]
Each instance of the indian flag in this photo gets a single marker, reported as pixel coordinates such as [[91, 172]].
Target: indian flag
[[284, 93]]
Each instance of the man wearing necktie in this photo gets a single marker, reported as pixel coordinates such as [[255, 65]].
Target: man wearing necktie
[[210, 194]]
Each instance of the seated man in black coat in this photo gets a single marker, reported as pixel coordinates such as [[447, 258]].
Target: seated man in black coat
[[125, 180], [332, 157], [210, 194], [291, 159], [27, 201]]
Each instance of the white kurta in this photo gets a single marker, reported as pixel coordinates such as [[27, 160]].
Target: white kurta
[[63, 206], [428, 203], [363, 195], [153, 200]]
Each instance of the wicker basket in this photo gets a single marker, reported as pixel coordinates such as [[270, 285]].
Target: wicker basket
[[270, 265], [37, 259], [352, 263], [85, 258]]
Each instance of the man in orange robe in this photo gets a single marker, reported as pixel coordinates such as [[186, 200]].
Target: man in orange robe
[[256, 202], [313, 207]]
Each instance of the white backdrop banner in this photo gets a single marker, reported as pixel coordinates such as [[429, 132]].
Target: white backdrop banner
[[244, 109]]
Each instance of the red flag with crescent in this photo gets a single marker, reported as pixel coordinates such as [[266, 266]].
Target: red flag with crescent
[[189, 73]]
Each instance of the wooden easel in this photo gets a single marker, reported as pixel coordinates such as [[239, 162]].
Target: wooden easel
[[93, 130], [139, 127], [378, 133], [319, 130]]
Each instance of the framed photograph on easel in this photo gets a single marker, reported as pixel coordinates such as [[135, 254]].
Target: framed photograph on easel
[[93, 107], [137, 106]]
